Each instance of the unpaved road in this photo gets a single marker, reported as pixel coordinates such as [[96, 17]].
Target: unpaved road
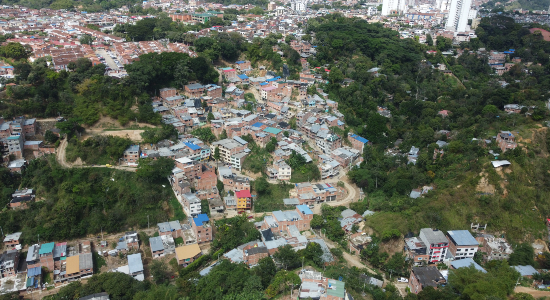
[[531, 291], [62, 160]]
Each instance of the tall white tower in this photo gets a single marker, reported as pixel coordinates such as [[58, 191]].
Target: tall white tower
[[393, 6], [458, 15]]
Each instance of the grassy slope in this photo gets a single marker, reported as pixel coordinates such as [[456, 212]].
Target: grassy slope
[[518, 207]]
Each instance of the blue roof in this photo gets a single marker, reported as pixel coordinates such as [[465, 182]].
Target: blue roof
[[46, 248], [361, 139], [272, 130], [240, 62], [200, 219], [259, 124], [34, 271], [304, 209], [263, 83], [274, 79], [243, 76], [465, 263], [462, 237], [192, 146]]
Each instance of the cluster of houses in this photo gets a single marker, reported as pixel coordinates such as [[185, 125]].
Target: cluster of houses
[[457, 249], [66, 262], [13, 142]]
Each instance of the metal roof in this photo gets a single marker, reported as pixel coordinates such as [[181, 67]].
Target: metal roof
[[135, 264], [465, 263], [46, 248], [336, 288], [85, 261], [156, 243], [462, 237], [200, 219]]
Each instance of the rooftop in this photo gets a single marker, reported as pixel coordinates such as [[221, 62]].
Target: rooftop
[[462, 237], [188, 251]]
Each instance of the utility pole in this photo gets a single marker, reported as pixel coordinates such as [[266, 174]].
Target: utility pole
[[101, 232], [147, 221]]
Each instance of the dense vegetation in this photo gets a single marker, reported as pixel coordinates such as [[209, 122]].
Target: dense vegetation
[[99, 149], [415, 93], [76, 202], [83, 92]]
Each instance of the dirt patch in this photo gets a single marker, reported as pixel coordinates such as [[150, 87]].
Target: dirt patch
[[393, 246], [134, 135], [484, 186], [531, 291], [110, 123]]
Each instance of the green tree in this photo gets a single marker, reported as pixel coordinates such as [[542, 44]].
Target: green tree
[[429, 40], [154, 170], [317, 222], [261, 185], [50, 137], [86, 39], [523, 255], [287, 257], [313, 252], [210, 116], [266, 269]]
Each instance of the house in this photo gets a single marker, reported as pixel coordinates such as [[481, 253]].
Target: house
[[46, 256], [526, 271], [34, 278], [131, 155], [348, 219], [358, 142], [78, 266], [135, 266], [229, 148], [243, 65], [506, 140], [436, 244], [416, 251], [129, 241], [422, 277], [22, 199], [191, 204], [187, 254], [462, 244], [12, 239], [280, 171], [17, 166], [9, 261], [252, 255], [194, 90], [33, 259], [202, 228], [172, 228], [98, 296], [466, 263], [281, 220], [230, 203], [162, 245], [244, 200]]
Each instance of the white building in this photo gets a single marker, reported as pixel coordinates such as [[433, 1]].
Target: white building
[[462, 244], [298, 6], [436, 243], [191, 204], [393, 6], [458, 15]]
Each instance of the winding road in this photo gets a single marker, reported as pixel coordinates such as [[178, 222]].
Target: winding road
[[61, 158]]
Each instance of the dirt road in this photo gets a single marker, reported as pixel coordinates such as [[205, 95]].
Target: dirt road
[[533, 292], [62, 160]]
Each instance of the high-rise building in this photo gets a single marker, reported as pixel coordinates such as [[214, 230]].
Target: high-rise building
[[458, 15], [390, 7], [298, 6]]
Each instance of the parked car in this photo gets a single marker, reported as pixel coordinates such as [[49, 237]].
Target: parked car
[[402, 279]]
